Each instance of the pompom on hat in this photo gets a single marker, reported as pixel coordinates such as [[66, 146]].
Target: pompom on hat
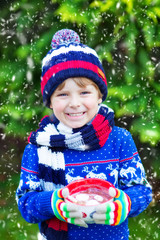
[[69, 58]]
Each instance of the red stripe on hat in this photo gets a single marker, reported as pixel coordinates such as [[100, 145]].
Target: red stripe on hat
[[71, 64]]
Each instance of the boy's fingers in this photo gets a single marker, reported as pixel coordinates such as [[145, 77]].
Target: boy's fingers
[[68, 207], [81, 223], [71, 208], [99, 217], [72, 214], [108, 222], [105, 208], [112, 192], [65, 192], [103, 217]]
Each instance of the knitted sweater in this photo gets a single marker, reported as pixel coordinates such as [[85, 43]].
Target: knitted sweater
[[117, 162]]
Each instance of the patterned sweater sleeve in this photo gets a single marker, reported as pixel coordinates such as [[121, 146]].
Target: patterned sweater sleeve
[[33, 203], [132, 178]]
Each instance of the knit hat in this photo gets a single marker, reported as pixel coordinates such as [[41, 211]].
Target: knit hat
[[69, 58]]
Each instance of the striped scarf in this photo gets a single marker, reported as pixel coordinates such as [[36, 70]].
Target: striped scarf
[[53, 137], [93, 135]]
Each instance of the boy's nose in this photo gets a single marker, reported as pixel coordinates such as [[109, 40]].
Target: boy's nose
[[74, 102]]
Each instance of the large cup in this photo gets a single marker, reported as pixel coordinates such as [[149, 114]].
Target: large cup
[[94, 187]]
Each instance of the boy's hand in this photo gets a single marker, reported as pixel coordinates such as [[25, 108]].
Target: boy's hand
[[66, 211], [113, 213]]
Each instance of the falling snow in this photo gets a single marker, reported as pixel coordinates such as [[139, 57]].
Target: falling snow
[[126, 39]]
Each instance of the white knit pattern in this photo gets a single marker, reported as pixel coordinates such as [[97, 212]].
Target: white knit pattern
[[75, 141], [43, 138], [54, 160], [66, 50]]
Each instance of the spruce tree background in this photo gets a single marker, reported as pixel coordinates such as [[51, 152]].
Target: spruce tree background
[[126, 36]]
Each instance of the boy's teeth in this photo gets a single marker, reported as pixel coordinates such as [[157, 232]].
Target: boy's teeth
[[75, 114]]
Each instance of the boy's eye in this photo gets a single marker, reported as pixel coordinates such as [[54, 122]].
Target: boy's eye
[[61, 94], [85, 92]]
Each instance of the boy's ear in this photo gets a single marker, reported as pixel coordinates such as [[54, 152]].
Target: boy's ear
[[99, 100], [51, 105]]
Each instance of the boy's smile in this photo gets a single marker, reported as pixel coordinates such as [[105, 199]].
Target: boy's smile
[[74, 105]]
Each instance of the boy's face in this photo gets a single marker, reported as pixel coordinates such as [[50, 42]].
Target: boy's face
[[73, 105]]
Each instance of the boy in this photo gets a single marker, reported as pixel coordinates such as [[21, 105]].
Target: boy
[[79, 141]]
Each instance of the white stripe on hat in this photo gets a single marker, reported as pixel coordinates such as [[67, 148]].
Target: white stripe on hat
[[65, 50]]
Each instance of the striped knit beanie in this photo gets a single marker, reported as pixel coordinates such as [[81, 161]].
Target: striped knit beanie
[[69, 58]]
